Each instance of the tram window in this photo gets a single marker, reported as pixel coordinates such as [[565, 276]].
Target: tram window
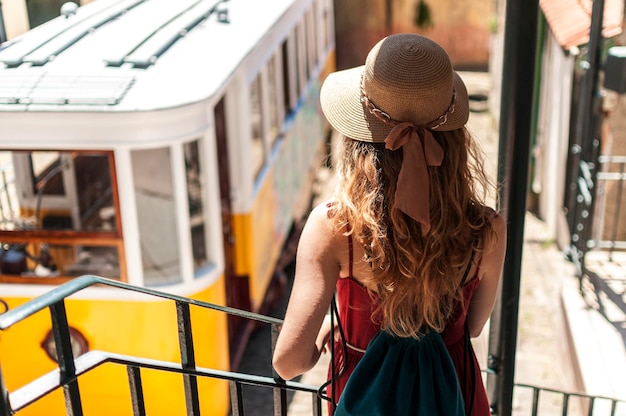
[[156, 215], [275, 112], [287, 77], [43, 260], [43, 166], [195, 192], [68, 198], [301, 58], [311, 45], [59, 191], [256, 120], [326, 28]]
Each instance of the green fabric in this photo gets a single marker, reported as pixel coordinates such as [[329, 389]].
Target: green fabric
[[403, 376]]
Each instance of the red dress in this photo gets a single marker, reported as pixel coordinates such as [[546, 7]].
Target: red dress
[[356, 309]]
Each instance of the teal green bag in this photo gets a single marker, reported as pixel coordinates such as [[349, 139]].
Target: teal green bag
[[401, 377]]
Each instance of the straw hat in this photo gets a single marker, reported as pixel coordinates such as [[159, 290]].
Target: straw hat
[[406, 78]]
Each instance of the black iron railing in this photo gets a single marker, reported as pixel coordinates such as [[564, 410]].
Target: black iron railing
[[558, 402], [594, 285], [70, 368]]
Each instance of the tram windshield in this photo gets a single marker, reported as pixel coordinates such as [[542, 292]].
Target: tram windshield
[[58, 215]]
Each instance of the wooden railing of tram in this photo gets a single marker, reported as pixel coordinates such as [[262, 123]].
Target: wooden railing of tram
[[70, 368]]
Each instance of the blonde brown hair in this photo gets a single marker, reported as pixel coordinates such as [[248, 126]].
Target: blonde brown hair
[[416, 278]]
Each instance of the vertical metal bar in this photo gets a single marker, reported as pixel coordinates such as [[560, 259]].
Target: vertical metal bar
[[535, 406], [274, 331], [65, 359], [5, 191], [5, 404], [518, 79], [317, 405], [280, 395], [566, 397], [236, 398], [613, 407], [588, 93], [592, 401], [136, 391], [280, 401], [592, 113], [187, 358], [620, 188]]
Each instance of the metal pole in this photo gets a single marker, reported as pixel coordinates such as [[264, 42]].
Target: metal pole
[[581, 147], [516, 113], [594, 57]]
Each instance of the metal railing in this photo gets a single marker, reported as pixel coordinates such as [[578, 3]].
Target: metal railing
[[562, 402], [593, 285], [618, 176], [70, 368]]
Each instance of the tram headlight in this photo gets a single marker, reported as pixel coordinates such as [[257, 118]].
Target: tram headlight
[[77, 340]]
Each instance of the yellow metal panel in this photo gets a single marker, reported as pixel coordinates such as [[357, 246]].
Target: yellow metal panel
[[141, 329], [243, 244], [258, 242]]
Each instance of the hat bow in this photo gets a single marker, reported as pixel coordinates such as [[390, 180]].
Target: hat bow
[[420, 150]]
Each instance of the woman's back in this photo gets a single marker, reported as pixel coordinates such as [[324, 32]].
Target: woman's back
[[357, 309]]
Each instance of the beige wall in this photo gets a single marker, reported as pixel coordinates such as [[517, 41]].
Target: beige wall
[[463, 28], [15, 17]]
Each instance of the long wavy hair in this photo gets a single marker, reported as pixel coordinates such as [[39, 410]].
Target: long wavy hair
[[416, 279]]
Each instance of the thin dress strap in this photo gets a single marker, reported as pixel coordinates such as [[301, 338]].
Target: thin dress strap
[[467, 270], [350, 255], [471, 260], [469, 351]]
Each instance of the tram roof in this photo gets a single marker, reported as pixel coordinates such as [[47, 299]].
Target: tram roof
[[136, 55]]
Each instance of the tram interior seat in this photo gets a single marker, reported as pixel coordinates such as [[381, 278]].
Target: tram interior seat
[[56, 222], [12, 261], [100, 261]]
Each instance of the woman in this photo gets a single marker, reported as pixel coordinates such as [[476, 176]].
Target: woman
[[406, 240]]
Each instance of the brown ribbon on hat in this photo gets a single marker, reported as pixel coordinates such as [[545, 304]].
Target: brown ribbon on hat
[[420, 150]]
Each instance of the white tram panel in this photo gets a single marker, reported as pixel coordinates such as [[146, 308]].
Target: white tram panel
[[125, 57]]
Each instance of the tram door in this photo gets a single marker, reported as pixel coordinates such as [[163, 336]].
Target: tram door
[[237, 291]]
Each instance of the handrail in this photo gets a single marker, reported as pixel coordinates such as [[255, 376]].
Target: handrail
[[566, 399], [70, 367], [59, 293], [89, 361]]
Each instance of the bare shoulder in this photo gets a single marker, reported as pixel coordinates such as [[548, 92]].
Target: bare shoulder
[[495, 232], [319, 232], [498, 225], [494, 245], [320, 217]]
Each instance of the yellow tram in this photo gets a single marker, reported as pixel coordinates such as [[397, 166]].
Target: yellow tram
[[167, 144]]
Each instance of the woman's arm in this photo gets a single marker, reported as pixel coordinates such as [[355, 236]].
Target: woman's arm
[[491, 264], [317, 270]]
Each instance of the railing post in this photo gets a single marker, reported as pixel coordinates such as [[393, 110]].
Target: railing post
[[188, 359], [65, 359], [515, 130], [280, 395], [5, 405], [136, 391]]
